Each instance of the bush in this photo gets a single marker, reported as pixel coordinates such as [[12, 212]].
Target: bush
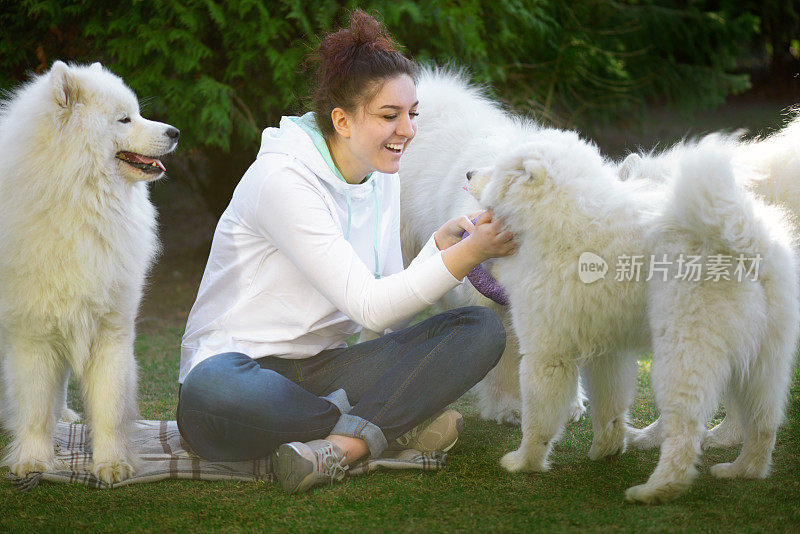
[[222, 70]]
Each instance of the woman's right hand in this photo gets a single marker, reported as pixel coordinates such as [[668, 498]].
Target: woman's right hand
[[488, 240]]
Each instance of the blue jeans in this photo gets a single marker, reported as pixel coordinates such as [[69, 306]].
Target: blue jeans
[[232, 407]]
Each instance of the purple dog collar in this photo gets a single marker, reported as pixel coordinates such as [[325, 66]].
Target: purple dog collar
[[484, 282]]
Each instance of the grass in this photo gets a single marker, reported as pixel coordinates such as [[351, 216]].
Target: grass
[[472, 494]]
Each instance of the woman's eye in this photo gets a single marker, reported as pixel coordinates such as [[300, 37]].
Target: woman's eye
[[414, 114], [125, 120], [390, 117]]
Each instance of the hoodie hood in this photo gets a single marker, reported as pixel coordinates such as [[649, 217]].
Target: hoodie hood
[[300, 137], [358, 205]]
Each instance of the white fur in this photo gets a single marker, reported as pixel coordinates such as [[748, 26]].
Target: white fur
[[77, 236], [561, 198], [770, 167], [460, 128]]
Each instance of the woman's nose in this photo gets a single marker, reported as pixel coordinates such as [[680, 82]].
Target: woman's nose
[[405, 128]]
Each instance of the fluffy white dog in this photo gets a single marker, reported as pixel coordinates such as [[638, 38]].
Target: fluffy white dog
[[77, 236], [730, 328], [460, 128], [770, 168]]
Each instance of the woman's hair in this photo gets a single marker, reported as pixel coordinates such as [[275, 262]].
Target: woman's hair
[[352, 65]]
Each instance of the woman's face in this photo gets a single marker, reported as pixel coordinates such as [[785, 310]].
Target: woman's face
[[382, 129]]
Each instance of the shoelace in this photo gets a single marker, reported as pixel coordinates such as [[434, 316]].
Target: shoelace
[[329, 466]]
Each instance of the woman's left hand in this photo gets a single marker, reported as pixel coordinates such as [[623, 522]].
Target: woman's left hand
[[450, 233]]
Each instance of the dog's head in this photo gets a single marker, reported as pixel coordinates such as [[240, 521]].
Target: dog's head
[[98, 116], [551, 165]]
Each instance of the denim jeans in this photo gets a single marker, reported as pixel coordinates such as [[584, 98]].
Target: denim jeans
[[232, 407]]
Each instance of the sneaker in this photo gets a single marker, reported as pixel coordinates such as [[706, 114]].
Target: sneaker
[[301, 466], [439, 433]]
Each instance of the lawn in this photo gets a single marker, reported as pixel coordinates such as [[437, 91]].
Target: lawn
[[472, 494]]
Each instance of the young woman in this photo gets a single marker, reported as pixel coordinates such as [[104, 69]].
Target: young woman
[[306, 254]]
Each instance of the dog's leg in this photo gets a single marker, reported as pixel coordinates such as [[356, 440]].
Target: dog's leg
[[548, 385], [648, 437], [729, 432], [761, 397], [110, 397], [64, 412], [498, 393], [32, 374], [610, 380], [688, 379], [578, 406]]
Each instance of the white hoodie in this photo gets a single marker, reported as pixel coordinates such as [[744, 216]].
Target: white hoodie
[[301, 259]]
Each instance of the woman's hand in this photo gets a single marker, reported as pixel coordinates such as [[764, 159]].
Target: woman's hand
[[487, 240], [450, 233]]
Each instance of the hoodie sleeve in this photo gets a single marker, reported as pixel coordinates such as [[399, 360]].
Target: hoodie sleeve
[[294, 216]]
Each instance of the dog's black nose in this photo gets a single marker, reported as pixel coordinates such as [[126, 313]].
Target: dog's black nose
[[173, 133], [469, 175]]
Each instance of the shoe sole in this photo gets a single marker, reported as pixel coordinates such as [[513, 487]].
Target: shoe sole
[[450, 446], [291, 468]]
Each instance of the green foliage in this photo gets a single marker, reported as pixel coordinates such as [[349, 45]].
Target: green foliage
[[222, 70]]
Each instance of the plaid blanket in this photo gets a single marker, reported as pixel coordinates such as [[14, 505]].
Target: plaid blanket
[[162, 454]]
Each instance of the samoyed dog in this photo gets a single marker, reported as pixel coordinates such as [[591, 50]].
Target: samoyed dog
[[768, 166], [459, 127], [606, 269], [77, 236]]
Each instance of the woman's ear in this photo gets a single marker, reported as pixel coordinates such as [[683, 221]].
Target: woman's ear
[[341, 122]]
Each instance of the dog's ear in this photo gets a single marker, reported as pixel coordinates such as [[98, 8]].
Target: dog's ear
[[533, 169], [629, 166], [96, 66], [65, 86]]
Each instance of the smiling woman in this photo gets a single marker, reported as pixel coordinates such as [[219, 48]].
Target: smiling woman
[[308, 252]]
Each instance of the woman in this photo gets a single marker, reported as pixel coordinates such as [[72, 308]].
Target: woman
[[306, 254]]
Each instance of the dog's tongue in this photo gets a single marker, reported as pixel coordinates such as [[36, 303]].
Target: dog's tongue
[[138, 158]]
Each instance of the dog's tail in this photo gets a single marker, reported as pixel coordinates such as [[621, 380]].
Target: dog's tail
[[772, 165], [708, 203]]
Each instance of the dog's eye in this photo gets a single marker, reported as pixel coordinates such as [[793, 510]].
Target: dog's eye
[[125, 120]]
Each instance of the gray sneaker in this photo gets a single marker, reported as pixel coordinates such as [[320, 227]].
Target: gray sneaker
[[439, 433], [301, 466]]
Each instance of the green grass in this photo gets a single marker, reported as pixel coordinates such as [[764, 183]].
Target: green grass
[[472, 494]]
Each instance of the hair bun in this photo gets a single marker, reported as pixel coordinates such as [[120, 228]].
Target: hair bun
[[349, 62], [337, 51]]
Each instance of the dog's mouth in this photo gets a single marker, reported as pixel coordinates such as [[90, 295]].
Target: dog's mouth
[[145, 164]]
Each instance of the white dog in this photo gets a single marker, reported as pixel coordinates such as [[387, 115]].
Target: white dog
[[460, 128], [562, 199], [770, 167], [77, 236]]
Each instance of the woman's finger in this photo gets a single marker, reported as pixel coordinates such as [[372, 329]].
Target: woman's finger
[[465, 223], [505, 236], [485, 217]]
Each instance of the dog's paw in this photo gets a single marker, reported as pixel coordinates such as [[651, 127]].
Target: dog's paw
[[606, 447], [519, 462], [23, 466], [69, 415], [650, 494], [111, 472], [738, 469], [724, 435], [644, 438], [507, 417], [577, 409]]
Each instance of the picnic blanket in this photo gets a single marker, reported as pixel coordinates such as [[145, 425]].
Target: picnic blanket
[[163, 454]]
